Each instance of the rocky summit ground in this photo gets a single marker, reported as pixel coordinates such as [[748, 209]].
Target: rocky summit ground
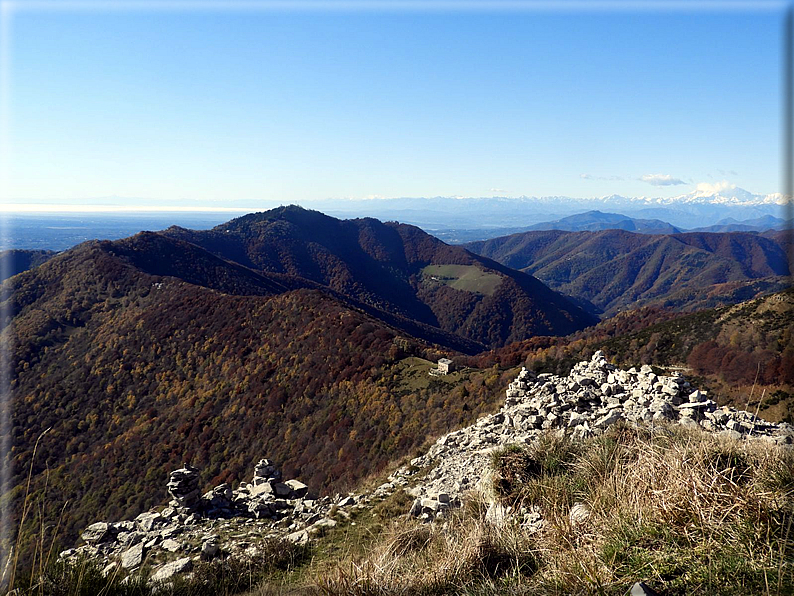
[[235, 522]]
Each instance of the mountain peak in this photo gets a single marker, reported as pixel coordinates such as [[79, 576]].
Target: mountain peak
[[396, 268], [291, 213]]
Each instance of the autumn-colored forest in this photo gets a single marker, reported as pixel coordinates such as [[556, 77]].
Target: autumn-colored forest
[[728, 349], [134, 374]]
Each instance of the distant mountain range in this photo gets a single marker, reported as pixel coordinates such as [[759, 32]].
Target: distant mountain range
[[614, 270], [454, 220], [596, 220], [443, 216], [759, 224]]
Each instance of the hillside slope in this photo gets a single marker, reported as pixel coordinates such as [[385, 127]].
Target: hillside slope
[[395, 268], [628, 456], [16, 261], [134, 370], [617, 270], [731, 349]]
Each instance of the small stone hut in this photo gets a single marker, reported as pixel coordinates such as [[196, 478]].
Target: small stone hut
[[445, 365]]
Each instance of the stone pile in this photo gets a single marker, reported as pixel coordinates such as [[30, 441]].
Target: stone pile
[[222, 521], [595, 395], [183, 487], [265, 471]]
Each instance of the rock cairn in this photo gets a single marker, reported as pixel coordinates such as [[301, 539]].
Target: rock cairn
[[183, 486], [265, 471], [197, 527]]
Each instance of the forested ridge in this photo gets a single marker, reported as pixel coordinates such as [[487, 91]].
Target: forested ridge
[[730, 348], [144, 353], [380, 264], [616, 270], [136, 373]]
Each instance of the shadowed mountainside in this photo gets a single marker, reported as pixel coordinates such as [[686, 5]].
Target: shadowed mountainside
[[16, 261], [396, 268]]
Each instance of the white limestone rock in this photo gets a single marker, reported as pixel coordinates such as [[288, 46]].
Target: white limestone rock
[[170, 569], [133, 556], [96, 533]]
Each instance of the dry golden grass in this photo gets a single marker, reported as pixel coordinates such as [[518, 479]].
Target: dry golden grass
[[686, 511], [413, 558]]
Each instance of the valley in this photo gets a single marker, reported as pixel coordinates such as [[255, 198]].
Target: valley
[[615, 270]]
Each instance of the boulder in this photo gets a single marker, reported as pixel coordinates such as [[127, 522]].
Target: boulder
[[172, 568], [133, 556], [579, 514], [609, 419], [170, 545], [263, 487], [298, 489], [299, 537], [347, 501], [183, 487], [96, 533], [147, 521], [210, 548], [168, 513], [281, 489]]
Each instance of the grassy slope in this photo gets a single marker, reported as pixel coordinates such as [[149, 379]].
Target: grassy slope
[[467, 278], [682, 510]]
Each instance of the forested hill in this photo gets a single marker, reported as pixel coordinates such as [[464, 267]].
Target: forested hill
[[135, 372], [396, 268], [617, 270]]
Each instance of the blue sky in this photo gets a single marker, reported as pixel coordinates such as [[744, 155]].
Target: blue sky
[[197, 108]]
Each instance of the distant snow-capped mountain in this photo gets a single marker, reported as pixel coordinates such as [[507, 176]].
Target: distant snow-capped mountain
[[712, 196], [704, 206]]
